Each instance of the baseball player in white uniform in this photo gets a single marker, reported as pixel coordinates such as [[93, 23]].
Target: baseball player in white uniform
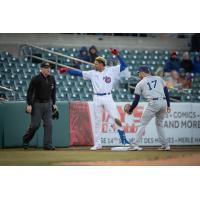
[[152, 88], [102, 79]]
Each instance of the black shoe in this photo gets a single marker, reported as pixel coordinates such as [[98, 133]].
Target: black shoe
[[51, 148], [25, 145]]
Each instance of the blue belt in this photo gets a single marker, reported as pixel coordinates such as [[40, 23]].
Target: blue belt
[[101, 94]]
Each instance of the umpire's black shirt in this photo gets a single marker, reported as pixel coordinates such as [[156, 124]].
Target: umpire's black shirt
[[41, 89]]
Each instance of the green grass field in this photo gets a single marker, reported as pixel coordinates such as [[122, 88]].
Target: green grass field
[[68, 156]]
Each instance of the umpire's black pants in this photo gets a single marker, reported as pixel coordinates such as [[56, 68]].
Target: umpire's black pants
[[40, 111]]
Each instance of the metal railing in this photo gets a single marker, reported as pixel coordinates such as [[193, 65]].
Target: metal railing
[[27, 51]]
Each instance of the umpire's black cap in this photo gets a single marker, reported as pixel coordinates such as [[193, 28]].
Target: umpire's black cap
[[144, 69], [45, 65]]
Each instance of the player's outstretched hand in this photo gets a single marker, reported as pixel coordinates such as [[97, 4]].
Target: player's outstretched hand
[[114, 51], [127, 108], [62, 70]]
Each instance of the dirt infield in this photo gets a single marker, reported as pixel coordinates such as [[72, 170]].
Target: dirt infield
[[193, 160], [82, 156]]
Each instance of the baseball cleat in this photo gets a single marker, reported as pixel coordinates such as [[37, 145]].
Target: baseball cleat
[[164, 148], [126, 141], [25, 146], [95, 148], [135, 148], [49, 148]]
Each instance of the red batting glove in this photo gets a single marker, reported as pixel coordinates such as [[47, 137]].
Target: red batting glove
[[114, 51], [62, 70]]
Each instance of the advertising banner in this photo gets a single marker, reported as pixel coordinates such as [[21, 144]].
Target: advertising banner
[[182, 125], [80, 124]]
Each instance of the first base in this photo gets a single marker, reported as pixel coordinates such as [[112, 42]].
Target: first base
[[120, 148]]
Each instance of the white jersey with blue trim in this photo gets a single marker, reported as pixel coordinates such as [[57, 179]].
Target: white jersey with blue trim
[[102, 82], [151, 87]]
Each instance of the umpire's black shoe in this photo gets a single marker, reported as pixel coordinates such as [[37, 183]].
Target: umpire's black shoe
[[51, 148], [25, 145]]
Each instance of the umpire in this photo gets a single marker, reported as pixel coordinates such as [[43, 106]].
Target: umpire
[[41, 96]]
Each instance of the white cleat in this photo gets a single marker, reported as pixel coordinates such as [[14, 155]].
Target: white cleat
[[164, 148], [135, 148], [127, 145], [95, 148]]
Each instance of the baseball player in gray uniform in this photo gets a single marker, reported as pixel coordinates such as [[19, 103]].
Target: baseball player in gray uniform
[[154, 89]]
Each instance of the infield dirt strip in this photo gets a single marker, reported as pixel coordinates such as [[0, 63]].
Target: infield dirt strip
[[82, 156], [193, 160]]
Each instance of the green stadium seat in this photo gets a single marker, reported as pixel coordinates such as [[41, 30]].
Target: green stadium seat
[[13, 77], [11, 96], [88, 90], [77, 90], [143, 62], [2, 59], [62, 96], [125, 51], [7, 70], [74, 97], [167, 53], [62, 50], [17, 71], [14, 70], [130, 97], [86, 97], [197, 99], [27, 77], [5, 54], [20, 82], [186, 98], [121, 97]]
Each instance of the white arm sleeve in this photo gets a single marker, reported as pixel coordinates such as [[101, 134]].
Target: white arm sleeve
[[87, 75], [115, 70]]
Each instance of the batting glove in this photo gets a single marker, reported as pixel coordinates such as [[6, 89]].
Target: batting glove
[[62, 70], [114, 51]]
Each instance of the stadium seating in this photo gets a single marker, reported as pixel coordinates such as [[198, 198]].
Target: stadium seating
[[16, 73]]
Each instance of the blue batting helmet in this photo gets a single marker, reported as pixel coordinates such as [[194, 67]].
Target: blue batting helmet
[[144, 69]]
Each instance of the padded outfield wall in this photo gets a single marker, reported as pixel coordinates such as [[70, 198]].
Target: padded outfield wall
[[1, 123], [76, 125], [14, 122]]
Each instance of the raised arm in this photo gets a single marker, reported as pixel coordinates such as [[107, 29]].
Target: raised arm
[[123, 65], [72, 72], [75, 73]]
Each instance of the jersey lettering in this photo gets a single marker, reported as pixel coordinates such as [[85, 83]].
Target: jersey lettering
[[150, 87], [107, 79]]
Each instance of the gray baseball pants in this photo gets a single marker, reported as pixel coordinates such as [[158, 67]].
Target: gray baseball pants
[[157, 109]]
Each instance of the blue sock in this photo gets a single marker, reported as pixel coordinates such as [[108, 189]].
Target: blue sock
[[123, 137]]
